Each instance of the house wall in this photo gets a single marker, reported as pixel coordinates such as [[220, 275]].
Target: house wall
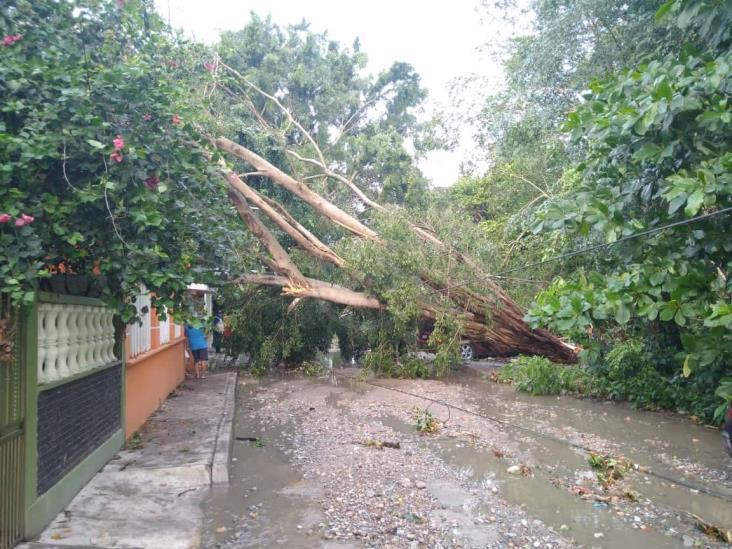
[[153, 374]]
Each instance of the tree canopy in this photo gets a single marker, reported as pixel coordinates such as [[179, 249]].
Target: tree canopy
[[273, 158]]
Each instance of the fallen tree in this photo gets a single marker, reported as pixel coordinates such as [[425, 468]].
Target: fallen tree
[[482, 308]]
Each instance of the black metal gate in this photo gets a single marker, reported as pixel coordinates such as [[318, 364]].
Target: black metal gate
[[12, 419]]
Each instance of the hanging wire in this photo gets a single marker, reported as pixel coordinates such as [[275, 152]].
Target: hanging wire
[[592, 248], [680, 482]]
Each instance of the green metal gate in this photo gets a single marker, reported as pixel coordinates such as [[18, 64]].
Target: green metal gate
[[12, 419]]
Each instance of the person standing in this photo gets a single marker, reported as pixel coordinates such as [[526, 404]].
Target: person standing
[[218, 332], [198, 347]]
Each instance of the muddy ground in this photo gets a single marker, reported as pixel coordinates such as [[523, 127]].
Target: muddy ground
[[315, 477]]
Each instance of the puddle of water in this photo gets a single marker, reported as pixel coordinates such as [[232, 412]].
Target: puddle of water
[[267, 503], [642, 434], [540, 498], [639, 435]]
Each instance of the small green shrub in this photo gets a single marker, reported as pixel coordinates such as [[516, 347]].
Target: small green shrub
[[608, 469], [445, 339], [311, 368], [539, 376], [385, 361], [135, 442], [633, 371], [724, 391]]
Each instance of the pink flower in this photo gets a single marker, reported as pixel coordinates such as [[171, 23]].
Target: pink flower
[[152, 182], [120, 4], [28, 219], [4, 218], [116, 157], [175, 119], [211, 67], [19, 222], [11, 39], [118, 143], [147, 117]]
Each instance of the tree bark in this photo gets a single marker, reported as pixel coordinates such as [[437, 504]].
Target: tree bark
[[281, 260], [322, 206], [316, 289], [315, 248]]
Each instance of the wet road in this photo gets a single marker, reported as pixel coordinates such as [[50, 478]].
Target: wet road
[[274, 500]]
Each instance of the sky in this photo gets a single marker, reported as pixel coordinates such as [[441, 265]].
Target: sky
[[439, 38]]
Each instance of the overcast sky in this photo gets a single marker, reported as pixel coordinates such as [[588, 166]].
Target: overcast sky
[[439, 38]]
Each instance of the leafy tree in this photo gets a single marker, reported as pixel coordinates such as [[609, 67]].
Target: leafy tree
[[658, 144], [94, 134], [566, 45], [360, 122]]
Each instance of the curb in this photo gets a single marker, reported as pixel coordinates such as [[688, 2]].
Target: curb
[[224, 434]]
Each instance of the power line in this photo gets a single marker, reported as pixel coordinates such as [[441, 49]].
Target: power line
[[594, 247], [680, 482]]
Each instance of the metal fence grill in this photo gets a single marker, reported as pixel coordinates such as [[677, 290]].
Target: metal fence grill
[[12, 415]]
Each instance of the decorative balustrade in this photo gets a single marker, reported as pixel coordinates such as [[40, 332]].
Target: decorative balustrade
[[73, 339], [164, 330], [140, 340], [139, 334]]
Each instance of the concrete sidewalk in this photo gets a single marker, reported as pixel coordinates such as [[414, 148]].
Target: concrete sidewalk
[[151, 497]]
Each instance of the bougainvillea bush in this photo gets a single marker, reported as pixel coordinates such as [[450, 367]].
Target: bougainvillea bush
[[98, 175]]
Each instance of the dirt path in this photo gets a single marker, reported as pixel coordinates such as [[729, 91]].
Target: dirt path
[[309, 481]]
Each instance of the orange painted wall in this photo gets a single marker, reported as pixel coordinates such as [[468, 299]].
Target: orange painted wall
[[150, 378]]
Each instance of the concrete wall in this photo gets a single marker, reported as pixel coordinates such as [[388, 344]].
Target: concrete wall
[[151, 376]]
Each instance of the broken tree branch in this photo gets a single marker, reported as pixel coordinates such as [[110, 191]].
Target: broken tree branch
[[281, 260], [316, 289], [320, 251], [328, 209]]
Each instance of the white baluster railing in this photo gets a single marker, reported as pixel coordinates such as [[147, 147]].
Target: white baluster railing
[[73, 339], [164, 330], [140, 340]]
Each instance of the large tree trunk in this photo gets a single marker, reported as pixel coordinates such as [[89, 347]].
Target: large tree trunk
[[299, 234], [280, 259], [493, 319]]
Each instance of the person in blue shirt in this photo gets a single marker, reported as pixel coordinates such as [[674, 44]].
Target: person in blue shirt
[[198, 347]]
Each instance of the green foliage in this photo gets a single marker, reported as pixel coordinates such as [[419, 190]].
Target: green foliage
[[312, 368], [263, 328], [359, 121], [540, 376], [724, 391], [609, 469], [631, 370], [83, 74], [630, 375], [657, 144], [425, 422], [445, 339], [566, 45], [647, 375], [135, 442], [385, 360]]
